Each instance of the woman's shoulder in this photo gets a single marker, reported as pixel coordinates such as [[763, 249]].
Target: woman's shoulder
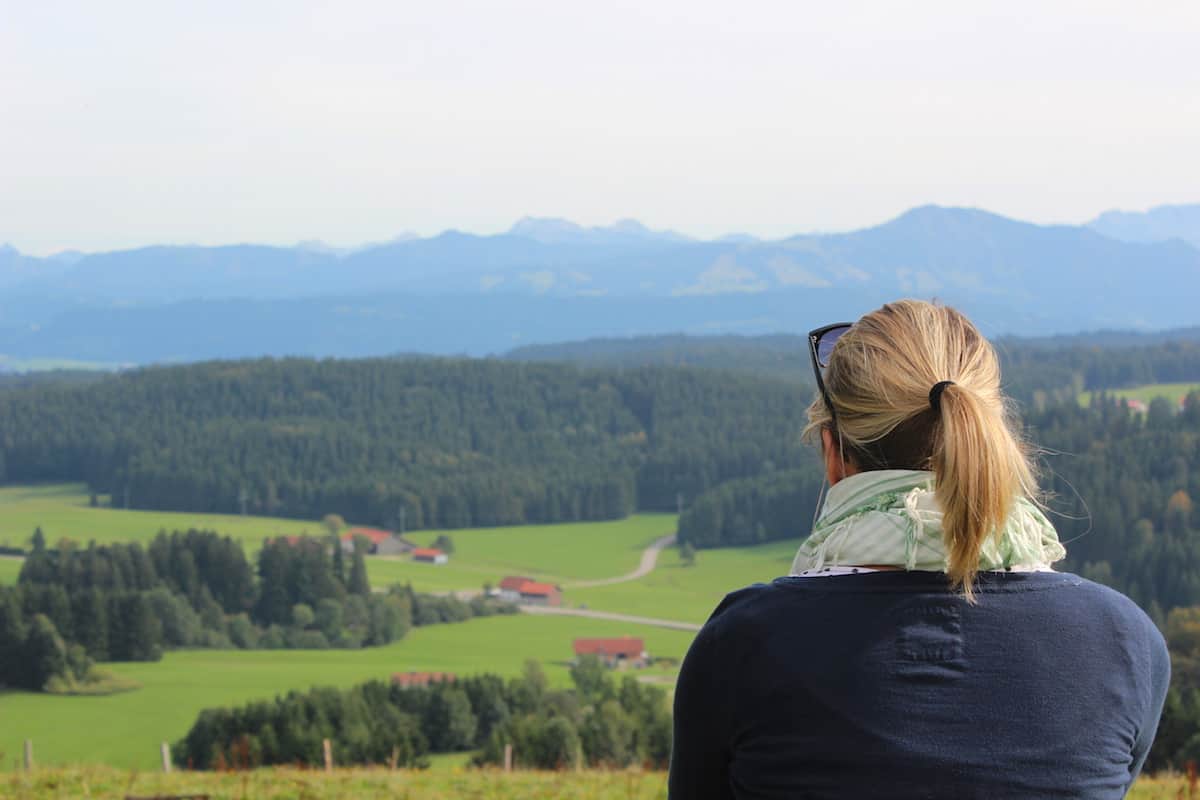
[[1047, 594]]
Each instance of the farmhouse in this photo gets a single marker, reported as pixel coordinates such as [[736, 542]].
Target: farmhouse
[[510, 587], [625, 651], [379, 542], [407, 680], [540, 594], [429, 555]]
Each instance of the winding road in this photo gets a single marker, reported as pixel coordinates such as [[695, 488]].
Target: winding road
[[644, 568]]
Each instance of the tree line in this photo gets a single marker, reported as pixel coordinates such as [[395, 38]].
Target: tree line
[[441, 443], [1045, 370], [598, 722], [122, 602]]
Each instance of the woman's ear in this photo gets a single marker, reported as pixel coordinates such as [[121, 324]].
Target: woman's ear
[[836, 467]]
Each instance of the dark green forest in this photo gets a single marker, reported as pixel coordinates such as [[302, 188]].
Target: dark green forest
[[598, 723], [452, 443]]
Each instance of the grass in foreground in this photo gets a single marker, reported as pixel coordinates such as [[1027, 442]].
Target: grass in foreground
[[124, 730], [277, 784], [104, 783]]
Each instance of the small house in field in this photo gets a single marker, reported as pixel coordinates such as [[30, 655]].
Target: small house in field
[[510, 588], [379, 542], [429, 555], [624, 651], [540, 594], [408, 680]]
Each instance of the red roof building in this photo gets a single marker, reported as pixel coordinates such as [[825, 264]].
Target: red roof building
[[373, 535], [543, 594], [513, 583], [626, 648], [378, 541], [407, 680], [430, 555]]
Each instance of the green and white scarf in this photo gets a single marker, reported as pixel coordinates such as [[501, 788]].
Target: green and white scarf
[[891, 517]]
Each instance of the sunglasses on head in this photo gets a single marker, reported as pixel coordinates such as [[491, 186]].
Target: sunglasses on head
[[820, 347]]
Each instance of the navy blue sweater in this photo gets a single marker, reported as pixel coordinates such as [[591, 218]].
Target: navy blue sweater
[[889, 684]]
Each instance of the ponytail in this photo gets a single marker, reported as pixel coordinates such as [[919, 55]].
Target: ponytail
[[980, 469], [916, 386]]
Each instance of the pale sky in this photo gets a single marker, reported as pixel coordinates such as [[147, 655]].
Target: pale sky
[[124, 124]]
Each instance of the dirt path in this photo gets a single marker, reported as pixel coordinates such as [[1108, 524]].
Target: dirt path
[[593, 614], [649, 560]]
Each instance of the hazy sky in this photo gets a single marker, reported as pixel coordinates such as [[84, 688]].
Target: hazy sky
[[123, 123]]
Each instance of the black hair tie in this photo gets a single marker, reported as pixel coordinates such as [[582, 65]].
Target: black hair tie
[[935, 395]]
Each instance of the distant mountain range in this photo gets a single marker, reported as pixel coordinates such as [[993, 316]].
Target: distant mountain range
[[549, 280], [1156, 225]]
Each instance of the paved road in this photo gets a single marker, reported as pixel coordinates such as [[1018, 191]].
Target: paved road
[[649, 559], [593, 614]]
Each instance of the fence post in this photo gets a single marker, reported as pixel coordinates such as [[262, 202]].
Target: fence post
[[328, 756], [165, 751], [508, 758], [28, 754], [395, 759]]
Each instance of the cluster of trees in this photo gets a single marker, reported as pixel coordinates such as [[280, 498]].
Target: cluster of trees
[[123, 602], [1178, 739], [445, 443], [1122, 487], [32, 654], [598, 722]]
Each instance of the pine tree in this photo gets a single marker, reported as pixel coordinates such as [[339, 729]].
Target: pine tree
[[12, 640], [45, 653], [358, 583]]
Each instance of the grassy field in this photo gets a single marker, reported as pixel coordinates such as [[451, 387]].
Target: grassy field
[[124, 730], [1172, 391], [570, 551], [62, 511], [104, 783], [278, 784], [673, 591], [560, 553], [9, 569]]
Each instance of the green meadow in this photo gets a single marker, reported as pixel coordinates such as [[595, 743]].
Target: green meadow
[[62, 510], [689, 594], [124, 730], [1147, 392], [9, 569], [559, 553]]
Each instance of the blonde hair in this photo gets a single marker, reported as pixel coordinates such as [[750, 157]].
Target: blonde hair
[[879, 379]]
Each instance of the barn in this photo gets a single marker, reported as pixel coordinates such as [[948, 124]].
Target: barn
[[623, 651], [429, 555], [379, 542], [540, 594]]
